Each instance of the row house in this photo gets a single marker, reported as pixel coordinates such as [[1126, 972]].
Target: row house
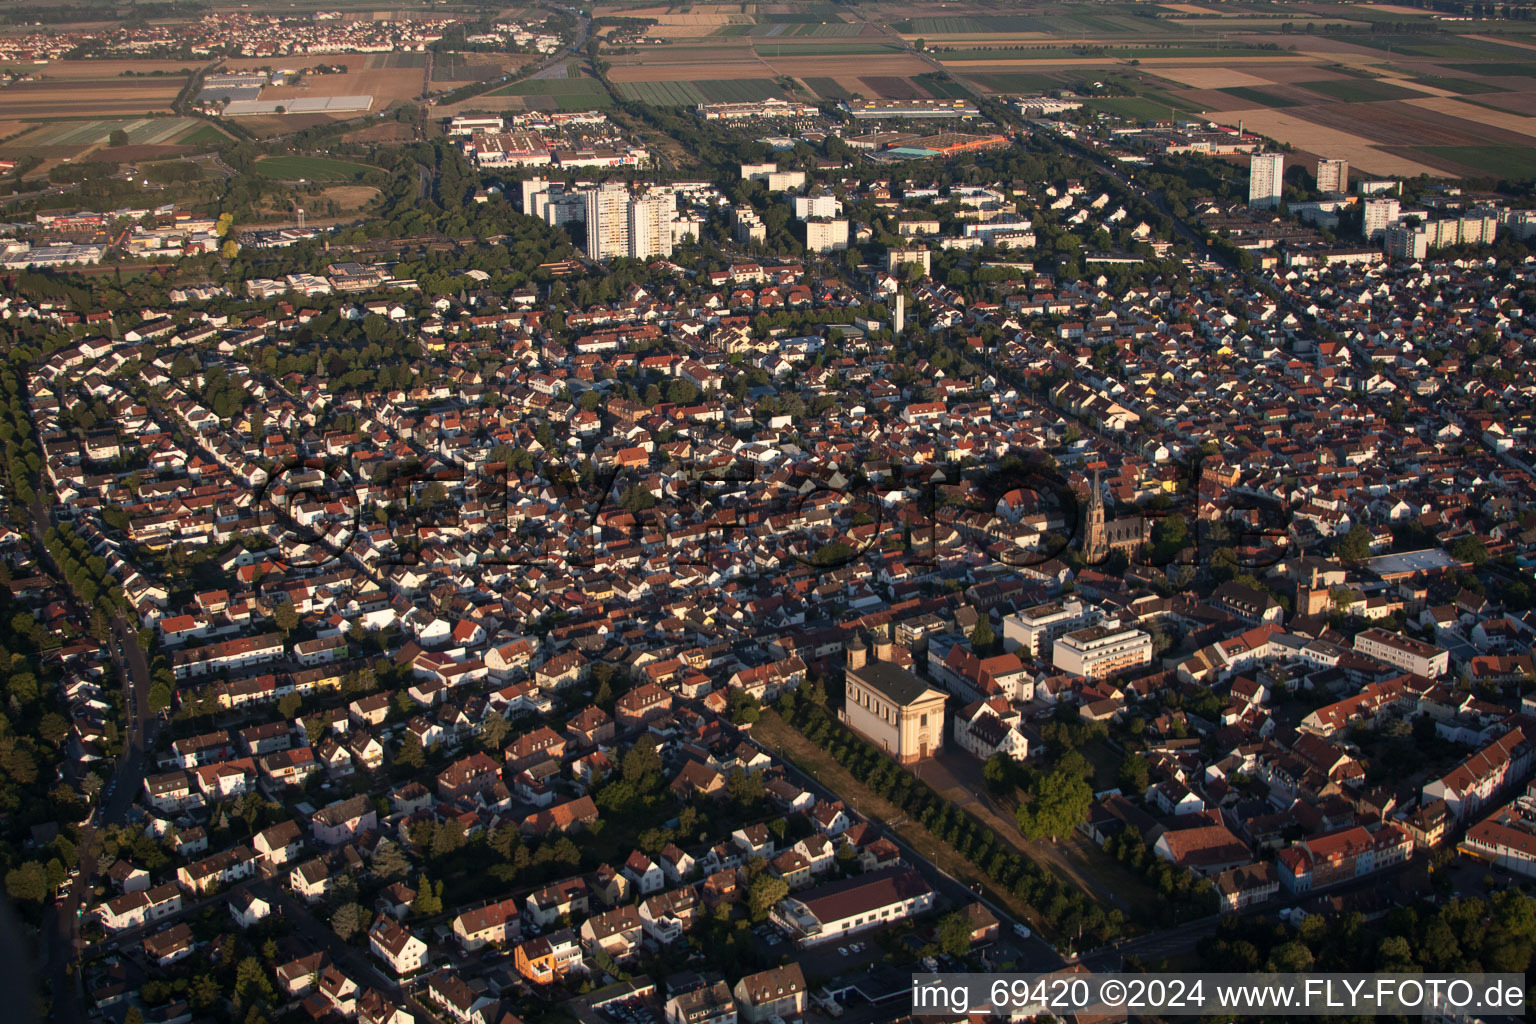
[[1348, 853], [1477, 781], [221, 868]]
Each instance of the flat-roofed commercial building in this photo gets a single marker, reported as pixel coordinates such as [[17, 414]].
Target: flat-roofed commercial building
[[1099, 651]]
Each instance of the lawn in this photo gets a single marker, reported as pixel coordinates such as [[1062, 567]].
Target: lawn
[[1360, 90], [1511, 162], [310, 168], [1259, 97]]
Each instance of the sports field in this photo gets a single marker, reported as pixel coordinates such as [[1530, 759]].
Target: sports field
[[310, 168]]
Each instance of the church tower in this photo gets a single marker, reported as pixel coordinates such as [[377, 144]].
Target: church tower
[[1095, 544]]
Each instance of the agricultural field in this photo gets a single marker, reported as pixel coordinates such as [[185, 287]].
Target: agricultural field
[[66, 139], [1015, 83], [1259, 97], [661, 94], [1357, 90], [458, 68], [310, 168], [54, 97], [545, 92], [827, 88], [771, 49], [1513, 162], [364, 77], [738, 90], [941, 88]]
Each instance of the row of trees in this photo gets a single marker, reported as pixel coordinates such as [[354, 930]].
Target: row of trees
[[1062, 908]]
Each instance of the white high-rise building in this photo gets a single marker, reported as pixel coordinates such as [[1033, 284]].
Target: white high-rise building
[[650, 226], [608, 222], [1376, 216], [808, 207], [826, 235], [532, 187], [1333, 176], [1266, 173]]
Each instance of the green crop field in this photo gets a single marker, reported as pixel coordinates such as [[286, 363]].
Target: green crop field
[[310, 168], [589, 89], [1015, 82], [1464, 86], [687, 94], [1137, 108], [1360, 90], [942, 88], [206, 135], [1497, 70], [827, 88], [1047, 51], [661, 94], [91, 131], [738, 90], [1259, 97], [1430, 46], [812, 30], [1511, 162], [830, 48]]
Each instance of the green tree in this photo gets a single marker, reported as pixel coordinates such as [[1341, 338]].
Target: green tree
[[998, 773], [643, 763], [285, 617], [160, 696], [764, 893], [288, 705], [982, 637], [1133, 776], [1061, 802], [954, 934], [27, 882], [493, 732], [427, 902], [1355, 545], [348, 921], [1469, 549], [410, 754], [389, 862]]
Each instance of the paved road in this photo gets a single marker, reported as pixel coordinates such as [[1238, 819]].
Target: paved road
[[61, 932]]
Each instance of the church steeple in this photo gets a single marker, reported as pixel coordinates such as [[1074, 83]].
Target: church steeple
[[1095, 544]]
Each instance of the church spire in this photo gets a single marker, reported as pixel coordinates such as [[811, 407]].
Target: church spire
[[1095, 543]]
